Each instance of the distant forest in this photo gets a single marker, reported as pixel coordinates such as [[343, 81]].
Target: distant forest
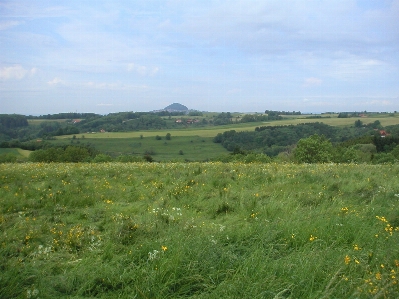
[[19, 131], [272, 140], [16, 127]]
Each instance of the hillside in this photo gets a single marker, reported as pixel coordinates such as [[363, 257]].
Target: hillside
[[199, 230], [176, 107]]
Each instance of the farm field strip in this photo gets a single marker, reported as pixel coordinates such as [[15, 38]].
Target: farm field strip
[[341, 122], [201, 132], [24, 153], [15, 151], [199, 230], [178, 148], [213, 131]]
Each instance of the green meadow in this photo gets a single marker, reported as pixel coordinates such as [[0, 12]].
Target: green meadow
[[178, 148], [212, 131], [187, 143], [385, 120], [195, 143], [199, 230], [21, 154]]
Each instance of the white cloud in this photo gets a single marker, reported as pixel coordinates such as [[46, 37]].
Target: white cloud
[[117, 86], [33, 9], [380, 103], [312, 81], [56, 81], [234, 91], [355, 68], [103, 85], [15, 72], [8, 24], [202, 50], [142, 70]]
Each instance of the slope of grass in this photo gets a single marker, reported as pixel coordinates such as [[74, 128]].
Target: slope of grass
[[199, 230], [23, 153], [19, 153], [385, 119], [195, 143], [212, 131], [178, 148]]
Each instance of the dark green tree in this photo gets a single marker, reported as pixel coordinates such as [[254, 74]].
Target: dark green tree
[[358, 124], [102, 158], [8, 158], [314, 149], [148, 158], [76, 154]]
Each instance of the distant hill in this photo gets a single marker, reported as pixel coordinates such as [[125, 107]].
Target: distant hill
[[176, 107]]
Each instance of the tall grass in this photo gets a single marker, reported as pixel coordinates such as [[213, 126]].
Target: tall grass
[[199, 230]]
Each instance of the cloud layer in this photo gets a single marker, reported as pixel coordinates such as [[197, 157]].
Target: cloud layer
[[208, 55]]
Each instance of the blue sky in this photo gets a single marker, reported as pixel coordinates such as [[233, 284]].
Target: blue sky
[[247, 56]]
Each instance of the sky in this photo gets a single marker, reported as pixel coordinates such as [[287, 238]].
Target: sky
[[209, 55]]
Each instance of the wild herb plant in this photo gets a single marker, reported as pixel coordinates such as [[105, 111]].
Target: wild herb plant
[[199, 230]]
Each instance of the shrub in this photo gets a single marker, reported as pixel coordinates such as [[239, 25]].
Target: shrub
[[7, 158], [314, 149], [148, 158], [101, 158], [127, 158]]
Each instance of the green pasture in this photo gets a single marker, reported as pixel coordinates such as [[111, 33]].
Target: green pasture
[[192, 143], [385, 119], [41, 120], [199, 230], [178, 148], [19, 153], [212, 131]]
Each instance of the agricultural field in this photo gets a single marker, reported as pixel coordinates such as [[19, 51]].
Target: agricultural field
[[196, 143], [178, 148], [212, 131], [41, 120], [199, 230], [385, 119], [20, 154]]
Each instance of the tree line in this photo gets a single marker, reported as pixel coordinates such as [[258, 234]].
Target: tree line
[[273, 140], [12, 121], [17, 126]]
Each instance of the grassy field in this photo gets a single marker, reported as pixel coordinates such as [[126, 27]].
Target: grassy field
[[199, 230], [385, 119], [212, 131], [19, 153], [41, 120], [195, 143], [189, 143], [178, 148]]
